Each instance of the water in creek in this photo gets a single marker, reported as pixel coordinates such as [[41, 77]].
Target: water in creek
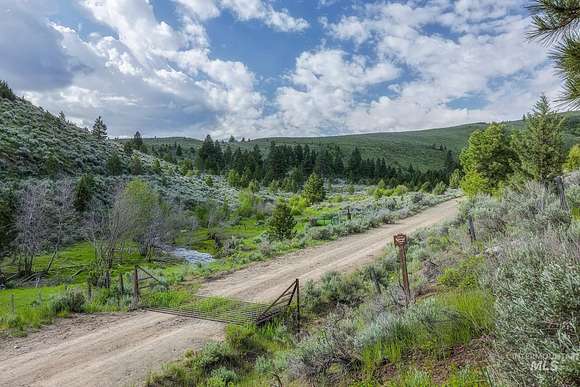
[[192, 256]]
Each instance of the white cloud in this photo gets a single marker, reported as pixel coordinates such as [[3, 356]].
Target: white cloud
[[246, 10], [413, 65]]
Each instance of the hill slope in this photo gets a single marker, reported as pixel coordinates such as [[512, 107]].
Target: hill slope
[[32, 141], [425, 149]]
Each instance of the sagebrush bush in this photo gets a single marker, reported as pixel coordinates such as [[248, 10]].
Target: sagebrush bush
[[537, 290], [71, 301]]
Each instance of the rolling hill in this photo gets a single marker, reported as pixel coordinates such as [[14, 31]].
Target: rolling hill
[[425, 149]]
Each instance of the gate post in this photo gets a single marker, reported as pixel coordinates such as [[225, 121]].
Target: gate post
[[401, 241], [135, 287], [298, 303], [471, 227]]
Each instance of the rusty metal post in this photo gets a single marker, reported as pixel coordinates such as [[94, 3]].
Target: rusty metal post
[[401, 242], [135, 287], [561, 193], [471, 227]]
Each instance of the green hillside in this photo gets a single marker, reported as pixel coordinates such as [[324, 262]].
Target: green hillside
[[425, 149], [34, 142]]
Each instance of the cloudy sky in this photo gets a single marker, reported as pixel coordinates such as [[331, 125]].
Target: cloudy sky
[[258, 68]]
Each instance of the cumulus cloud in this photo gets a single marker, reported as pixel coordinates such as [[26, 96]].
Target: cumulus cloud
[[31, 52], [380, 66], [484, 55], [150, 75], [246, 10]]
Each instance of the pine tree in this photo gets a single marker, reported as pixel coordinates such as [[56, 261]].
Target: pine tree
[[282, 223], [136, 165], [99, 129], [138, 142], [6, 91], [540, 147], [314, 189], [114, 165], [556, 22], [573, 159], [8, 210], [84, 193]]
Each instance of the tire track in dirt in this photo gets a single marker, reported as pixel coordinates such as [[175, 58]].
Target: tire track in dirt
[[121, 349]]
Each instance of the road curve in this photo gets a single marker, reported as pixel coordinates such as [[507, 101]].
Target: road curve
[[121, 349]]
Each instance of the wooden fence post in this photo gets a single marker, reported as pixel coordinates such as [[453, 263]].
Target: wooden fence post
[[121, 286], [135, 287], [562, 193], [471, 227], [298, 303], [401, 241], [89, 290]]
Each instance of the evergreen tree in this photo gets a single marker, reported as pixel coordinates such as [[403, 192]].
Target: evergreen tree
[[354, 165], [282, 223], [61, 120], [573, 159], [556, 22], [314, 189], [539, 146], [487, 160], [6, 91], [114, 165], [84, 193], [136, 165], [52, 166], [7, 220], [156, 167], [99, 129], [138, 142]]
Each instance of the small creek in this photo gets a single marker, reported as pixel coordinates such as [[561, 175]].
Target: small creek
[[191, 256]]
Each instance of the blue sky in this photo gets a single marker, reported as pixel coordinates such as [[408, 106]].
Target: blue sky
[[259, 68]]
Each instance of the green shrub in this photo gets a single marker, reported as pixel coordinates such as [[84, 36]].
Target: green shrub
[[246, 341], [439, 189], [71, 301], [400, 190], [466, 275], [536, 282]]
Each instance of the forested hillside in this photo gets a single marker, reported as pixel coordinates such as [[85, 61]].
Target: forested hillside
[[424, 149]]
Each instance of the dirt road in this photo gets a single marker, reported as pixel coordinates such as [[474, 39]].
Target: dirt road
[[120, 349]]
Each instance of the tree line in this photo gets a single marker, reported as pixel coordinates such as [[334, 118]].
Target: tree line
[[288, 167]]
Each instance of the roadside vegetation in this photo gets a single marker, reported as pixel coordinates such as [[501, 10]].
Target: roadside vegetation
[[497, 310], [73, 221]]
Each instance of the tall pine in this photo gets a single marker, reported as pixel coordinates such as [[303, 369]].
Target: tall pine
[[540, 147], [99, 129]]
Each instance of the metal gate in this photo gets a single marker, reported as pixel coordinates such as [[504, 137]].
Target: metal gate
[[225, 310]]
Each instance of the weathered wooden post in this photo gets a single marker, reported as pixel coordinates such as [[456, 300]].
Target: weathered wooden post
[[121, 286], [401, 242], [561, 193], [89, 290], [135, 287], [471, 228], [298, 303]]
